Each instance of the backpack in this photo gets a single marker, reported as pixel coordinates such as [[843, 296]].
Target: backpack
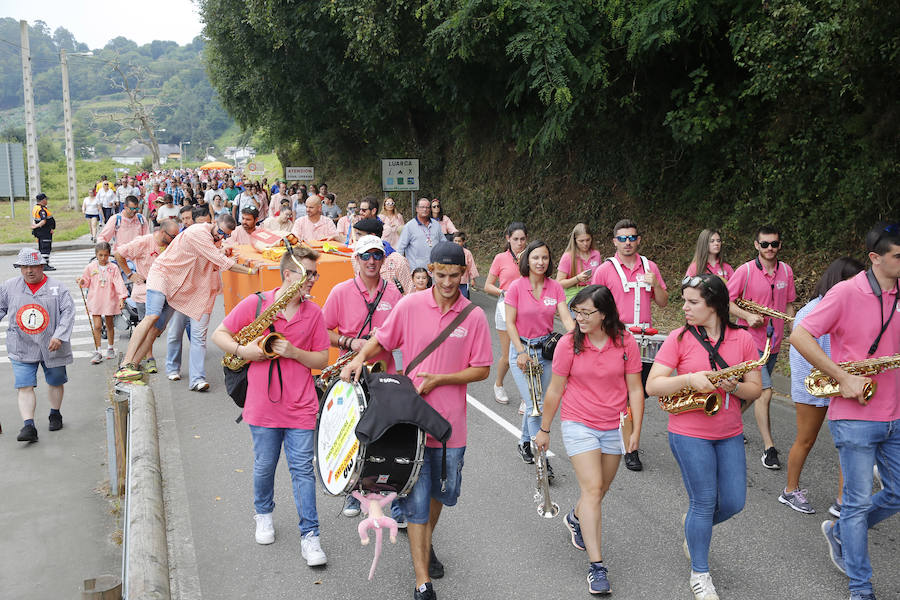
[[119, 220]]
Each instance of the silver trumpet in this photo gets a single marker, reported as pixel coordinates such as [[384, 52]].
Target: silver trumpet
[[533, 373], [546, 507]]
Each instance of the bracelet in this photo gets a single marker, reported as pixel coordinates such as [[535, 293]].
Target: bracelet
[[544, 430], [734, 391]]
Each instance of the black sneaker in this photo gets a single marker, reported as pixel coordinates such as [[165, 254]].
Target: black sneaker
[[28, 434], [428, 594], [49, 267], [550, 474], [55, 422], [435, 568], [525, 453], [770, 458], [633, 461]]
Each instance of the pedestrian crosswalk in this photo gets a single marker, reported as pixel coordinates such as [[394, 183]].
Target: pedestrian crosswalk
[[69, 266]]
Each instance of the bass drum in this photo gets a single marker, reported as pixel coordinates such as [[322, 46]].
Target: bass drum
[[343, 464]]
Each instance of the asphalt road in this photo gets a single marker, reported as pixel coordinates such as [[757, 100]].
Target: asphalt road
[[493, 543]]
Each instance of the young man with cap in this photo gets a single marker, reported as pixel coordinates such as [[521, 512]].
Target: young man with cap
[[357, 307], [865, 427], [395, 268], [441, 379], [42, 228], [42, 314]]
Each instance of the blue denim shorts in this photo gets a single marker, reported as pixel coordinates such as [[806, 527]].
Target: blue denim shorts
[[156, 305], [766, 371], [25, 374], [579, 438], [417, 505]]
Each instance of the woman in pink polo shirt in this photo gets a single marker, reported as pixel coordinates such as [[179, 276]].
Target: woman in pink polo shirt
[[504, 270], [578, 262], [709, 449], [598, 355], [531, 303], [709, 252]]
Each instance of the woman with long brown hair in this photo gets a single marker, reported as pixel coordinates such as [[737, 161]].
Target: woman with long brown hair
[[392, 220], [709, 253], [578, 262]]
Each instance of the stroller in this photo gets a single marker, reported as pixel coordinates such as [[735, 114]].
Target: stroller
[[128, 318]]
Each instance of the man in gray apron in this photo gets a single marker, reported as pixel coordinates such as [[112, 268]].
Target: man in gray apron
[[41, 315]]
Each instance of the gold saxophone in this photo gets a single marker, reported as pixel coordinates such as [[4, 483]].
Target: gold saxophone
[[261, 323], [759, 309], [334, 370], [688, 399], [821, 385]]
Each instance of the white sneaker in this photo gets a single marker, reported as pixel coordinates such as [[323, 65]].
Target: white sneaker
[[174, 376], [265, 529], [500, 395], [97, 357], [110, 353], [522, 408], [702, 586], [200, 386], [311, 550]]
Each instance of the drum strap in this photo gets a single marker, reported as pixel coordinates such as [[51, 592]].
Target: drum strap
[[443, 335]]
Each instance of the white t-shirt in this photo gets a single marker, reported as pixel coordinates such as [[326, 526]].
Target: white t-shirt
[[107, 198], [91, 205], [165, 211]]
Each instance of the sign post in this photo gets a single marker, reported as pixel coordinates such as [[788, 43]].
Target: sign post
[[401, 174], [300, 173], [256, 169]]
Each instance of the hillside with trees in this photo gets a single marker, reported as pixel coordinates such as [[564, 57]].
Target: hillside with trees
[[172, 78], [682, 113]]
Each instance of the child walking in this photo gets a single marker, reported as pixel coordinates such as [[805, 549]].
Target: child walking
[[106, 296]]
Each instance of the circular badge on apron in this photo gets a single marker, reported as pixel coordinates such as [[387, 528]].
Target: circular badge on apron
[[32, 318]]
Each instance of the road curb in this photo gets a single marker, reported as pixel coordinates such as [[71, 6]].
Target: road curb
[[79, 244]]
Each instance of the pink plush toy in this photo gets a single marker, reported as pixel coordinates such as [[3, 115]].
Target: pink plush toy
[[373, 504]]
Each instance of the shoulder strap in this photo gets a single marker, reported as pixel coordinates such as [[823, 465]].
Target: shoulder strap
[[715, 359], [118, 220], [372, 307], [443, 335]]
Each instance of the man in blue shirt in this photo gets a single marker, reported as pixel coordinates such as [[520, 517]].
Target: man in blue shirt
[[419, 236]]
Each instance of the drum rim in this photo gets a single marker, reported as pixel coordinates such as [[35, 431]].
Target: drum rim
[[363, 396]]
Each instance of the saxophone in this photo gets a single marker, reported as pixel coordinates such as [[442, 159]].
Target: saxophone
[[688, 399], [259, 325], [334, 370], [821, 385], [759, 309]]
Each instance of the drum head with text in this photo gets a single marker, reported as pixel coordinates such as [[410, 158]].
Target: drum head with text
[[337, 449]]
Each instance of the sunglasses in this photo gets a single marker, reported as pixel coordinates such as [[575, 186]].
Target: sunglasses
[[370, 254], [695, 281], [224, 235], [774, 244], [627, 238]]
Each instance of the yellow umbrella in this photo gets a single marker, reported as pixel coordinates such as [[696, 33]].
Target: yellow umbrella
[[216, 165]]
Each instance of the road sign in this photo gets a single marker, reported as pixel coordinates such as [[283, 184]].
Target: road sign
[[400, 174], [256, 168], [12, 171], [299, 173]]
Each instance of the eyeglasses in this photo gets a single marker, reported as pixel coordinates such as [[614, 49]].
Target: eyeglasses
[[774, 244], [583, 314], [224, 235], [365, 256], [627, 238]]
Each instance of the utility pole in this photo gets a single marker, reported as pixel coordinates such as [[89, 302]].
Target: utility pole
[[181, 155], [34, 173], [70, 142]]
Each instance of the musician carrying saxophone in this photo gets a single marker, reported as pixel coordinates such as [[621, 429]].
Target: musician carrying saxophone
[[860, 314], [761, 292], [281, 401]]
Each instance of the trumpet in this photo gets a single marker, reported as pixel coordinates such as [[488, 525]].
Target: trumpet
[[546, 507], [533, 373], [759, 309]]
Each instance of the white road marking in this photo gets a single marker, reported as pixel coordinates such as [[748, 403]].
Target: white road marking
[[515, 431]]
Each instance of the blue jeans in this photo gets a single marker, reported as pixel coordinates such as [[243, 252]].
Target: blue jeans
[[530, 425], [298, 450], [198, 327], [416, 507], [715, 477], [860, 445]]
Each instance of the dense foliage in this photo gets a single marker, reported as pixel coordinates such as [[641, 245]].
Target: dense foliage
[[189, 107], [734, 111]]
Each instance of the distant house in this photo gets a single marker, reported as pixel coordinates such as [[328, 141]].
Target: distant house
[[239, 153], [135, 152]]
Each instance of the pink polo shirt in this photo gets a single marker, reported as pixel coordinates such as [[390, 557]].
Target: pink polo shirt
[[471, 268], [849, 312], [142, 251], [292, 404], [306, 230], [722, 270], [505, 268], [240, 237], [687, 355], [347, 306], [413, 324], [607, 275], [596, 393], [565, 263], [534, 317], [128, 229], [188, 271], [752, 282]]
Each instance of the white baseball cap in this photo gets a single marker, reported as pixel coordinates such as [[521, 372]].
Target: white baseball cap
[[368, 242]]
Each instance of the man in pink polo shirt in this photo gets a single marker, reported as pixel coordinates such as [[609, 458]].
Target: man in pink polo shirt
[[769, 282], [124, 226], [242, 235], [141, 252], [441, 379], [860, 314], [184, 278], [634, 282], [315, 226]]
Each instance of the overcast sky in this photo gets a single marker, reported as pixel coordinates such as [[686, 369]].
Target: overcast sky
[[95, 22]]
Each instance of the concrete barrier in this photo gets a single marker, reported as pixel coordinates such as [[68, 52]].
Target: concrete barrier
[[146, 561]]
